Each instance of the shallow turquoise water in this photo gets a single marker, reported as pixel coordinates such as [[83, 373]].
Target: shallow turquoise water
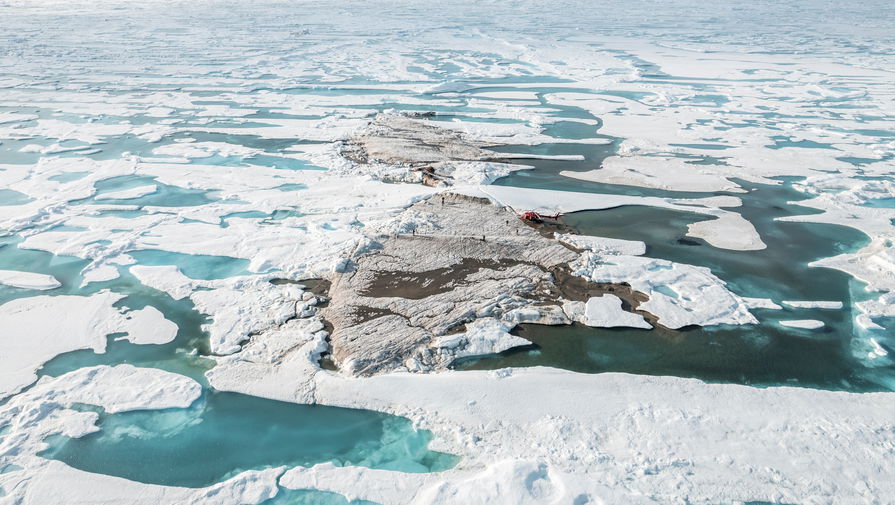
[[66, 269], [184, 355], [12, 197], [194, 266], [762, 355], [881, 203], [312, 497], [226, 433], [166, 195], [281, 163]]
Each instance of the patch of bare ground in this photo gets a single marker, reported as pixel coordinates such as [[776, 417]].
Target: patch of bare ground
[[465, 259], [428, 150]]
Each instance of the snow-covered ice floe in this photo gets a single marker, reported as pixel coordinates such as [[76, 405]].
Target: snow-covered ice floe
[[603, 312], [727, 231], [805, 324], [38, 328], [45, 410], [676, 437], [28, 280], [807, 304], [679, 295]]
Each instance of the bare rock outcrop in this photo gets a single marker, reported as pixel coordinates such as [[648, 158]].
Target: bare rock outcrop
[[398, 148], [469, 260], [399, 140]]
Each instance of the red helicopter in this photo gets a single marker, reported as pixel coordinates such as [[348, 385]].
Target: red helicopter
[[534, 217]]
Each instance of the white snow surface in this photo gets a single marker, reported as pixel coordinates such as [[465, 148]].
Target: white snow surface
[[693, 108], [606, 311], [126, 194], [59, 484], [28, 280], [472, 172], [721, 232], [34, 332], [278, 364], [486, 335], [149, 326], [761, 303], [679, 295], [45, 410], [808, 304], [116, 389], [655, 172], [167, 278], [805, 324], [603, 312], [683, 439], [602, 245]]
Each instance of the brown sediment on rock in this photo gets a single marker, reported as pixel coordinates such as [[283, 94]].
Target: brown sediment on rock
[[576, 288], [567, 286], [317, 286], [467, 259], [361, 314], [419, 285], [548, 227]]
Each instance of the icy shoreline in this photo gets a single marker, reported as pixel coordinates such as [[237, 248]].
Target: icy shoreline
[[193, 160]]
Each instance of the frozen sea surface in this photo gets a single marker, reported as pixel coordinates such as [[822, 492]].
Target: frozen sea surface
[[198, 141]]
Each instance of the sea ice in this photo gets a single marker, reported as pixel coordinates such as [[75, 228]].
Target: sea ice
[[167, 278], [805, 324], [238, 312], [606, 311], [728, 231], [483, 336], [679, 295], [655, 172], [602, 245], [34, 333], [761, 303], [28, 280], [724, 232], [278, 364], [148, 326], [127, 194], [807, 304], [675, 437]]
